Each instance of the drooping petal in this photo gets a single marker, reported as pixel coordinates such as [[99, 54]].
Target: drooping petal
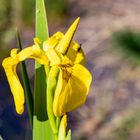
[[10, 65], [33, 52], [72, 89]]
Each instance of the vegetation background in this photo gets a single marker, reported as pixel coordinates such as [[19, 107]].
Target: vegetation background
[[109, 32]]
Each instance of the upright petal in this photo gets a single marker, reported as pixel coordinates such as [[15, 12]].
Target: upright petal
[[53, 41], [58, 41], [67, 38], [75, 54]]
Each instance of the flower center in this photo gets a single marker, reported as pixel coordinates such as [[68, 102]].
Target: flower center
[[66, 73]]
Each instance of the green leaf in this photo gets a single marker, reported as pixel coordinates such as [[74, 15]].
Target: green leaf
[[41, 125], [40, 75], [40, 94], [42, 130], [26, 83], [41, 21]]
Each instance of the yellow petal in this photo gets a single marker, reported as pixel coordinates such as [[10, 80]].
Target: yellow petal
[[75, 54], [53, 41], [71, 91], [53, 56], [37, 41], [66, 40], [14, 53], [58, 41], [9, 65], [34, 52]]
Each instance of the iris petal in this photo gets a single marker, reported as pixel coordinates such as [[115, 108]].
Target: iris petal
[[10, 65], [72, 92], [33, 52], [75, 54], [67, 38], [53, 41]]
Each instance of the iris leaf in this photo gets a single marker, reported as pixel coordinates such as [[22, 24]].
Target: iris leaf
[[26, 83], [41, 127]]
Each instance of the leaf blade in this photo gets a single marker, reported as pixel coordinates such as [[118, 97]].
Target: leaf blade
[[26, 84], [41, 128]]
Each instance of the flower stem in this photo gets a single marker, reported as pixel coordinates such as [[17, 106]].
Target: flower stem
[[56, 136], [51, 85]]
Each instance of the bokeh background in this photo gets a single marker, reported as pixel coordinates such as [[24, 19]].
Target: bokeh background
[[109, 32]]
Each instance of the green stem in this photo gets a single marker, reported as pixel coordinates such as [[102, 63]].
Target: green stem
[[58, 119], [51, 86], [56, 136]]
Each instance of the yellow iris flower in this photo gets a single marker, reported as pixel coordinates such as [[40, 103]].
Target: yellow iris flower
[[59, 50]]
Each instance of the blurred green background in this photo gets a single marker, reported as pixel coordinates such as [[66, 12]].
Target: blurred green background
[[109, 32], [21, 14]]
